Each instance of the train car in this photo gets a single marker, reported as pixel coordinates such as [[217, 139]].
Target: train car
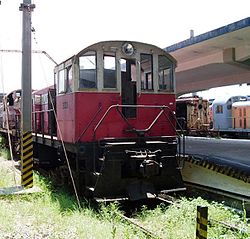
[[10, 110], [193, 115], [10, 118], [241, 117], [43, 118], [222, 114], [115, 121]]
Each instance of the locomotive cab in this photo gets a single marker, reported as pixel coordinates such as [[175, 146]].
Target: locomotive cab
[[114, 73]]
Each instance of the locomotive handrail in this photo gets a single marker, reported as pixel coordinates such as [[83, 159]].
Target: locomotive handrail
[[162, 107], [42, 123], [183, 137], [42, 111], [151, 125]]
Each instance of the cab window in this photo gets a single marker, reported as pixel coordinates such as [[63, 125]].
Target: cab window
[[109, 71], [37, 99], [87, 66], [165, 71], [219, 109], [146, 72], [61, 81], [69, 79]]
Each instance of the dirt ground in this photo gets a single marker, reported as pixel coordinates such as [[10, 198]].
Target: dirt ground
[[10, 176], [9, 165]]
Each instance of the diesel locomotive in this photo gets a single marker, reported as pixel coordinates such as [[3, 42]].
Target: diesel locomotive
[[231, 116], [111, 115], [193, 115]]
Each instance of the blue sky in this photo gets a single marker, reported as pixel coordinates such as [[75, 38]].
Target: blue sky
[[63, 28]]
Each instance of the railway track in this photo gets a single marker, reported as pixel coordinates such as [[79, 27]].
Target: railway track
[[171, 200], [140, 227], [163, 198], [224, 183]]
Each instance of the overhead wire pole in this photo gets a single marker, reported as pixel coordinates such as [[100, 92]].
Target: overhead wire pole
[[26, 122]]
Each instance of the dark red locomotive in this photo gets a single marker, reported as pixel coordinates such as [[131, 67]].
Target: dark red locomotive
[[114, 104]]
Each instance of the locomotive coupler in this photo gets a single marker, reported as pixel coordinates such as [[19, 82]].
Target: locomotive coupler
[[149, 166]]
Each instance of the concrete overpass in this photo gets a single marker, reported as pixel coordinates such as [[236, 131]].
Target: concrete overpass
[[217, 58]]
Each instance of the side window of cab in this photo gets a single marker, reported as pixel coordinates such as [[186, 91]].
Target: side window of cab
[[165, 71], [87, 68], [146, 63], [109, 70], [61, 87]]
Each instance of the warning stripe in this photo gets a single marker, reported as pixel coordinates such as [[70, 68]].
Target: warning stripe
[[28, 175], [27, 160], [27, 157], [201, 222], [28, 183], [27, 136], [28, 169], [27, 142], [226, 170], [29, 147]]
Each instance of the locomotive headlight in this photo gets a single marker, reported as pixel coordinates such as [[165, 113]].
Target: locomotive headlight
[[128, 49]]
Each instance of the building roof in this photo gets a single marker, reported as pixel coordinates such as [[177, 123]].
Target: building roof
[[216, 58], [211, 34]]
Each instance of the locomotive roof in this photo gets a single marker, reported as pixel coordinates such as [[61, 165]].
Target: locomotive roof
[[224, 99], [114, 45], [43, 90], [190, 98], [15, 91], [241, 103]]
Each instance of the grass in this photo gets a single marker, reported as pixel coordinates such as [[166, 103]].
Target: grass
[[179, 220], [53, 213], [4, 151]]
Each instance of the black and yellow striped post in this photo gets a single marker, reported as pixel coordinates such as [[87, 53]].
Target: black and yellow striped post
[[26, 143], [201, 225], [27, 160]]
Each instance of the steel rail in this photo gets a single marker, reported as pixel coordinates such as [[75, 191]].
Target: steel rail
[[140, 227], [229, 226], [170, 201]]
